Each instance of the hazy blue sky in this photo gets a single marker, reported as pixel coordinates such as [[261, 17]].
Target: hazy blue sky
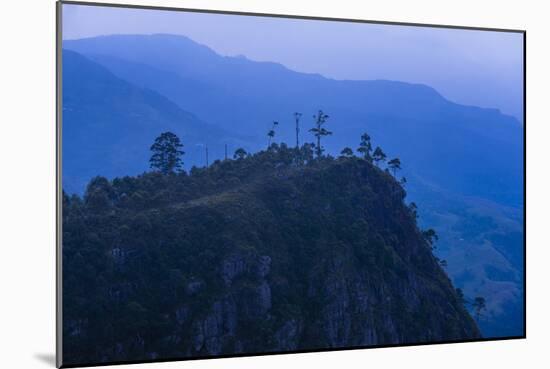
[[470, 67]]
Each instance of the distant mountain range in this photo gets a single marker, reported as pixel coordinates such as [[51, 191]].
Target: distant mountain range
[[460, 161], [109, 125], [466, 149]]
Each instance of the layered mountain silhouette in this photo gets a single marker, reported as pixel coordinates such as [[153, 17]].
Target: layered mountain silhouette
[[461, 162], [109, 125], [466, 149]]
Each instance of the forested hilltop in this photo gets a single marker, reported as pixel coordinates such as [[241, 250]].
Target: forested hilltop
[[284, 249], [463, 164]]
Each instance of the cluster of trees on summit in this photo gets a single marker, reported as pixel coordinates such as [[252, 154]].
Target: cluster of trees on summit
[[167, 155], [167, 158], [167, 150], [135, 247]]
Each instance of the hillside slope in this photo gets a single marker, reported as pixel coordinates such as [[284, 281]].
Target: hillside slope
[[253, 255], [462, 162], [109, 124]]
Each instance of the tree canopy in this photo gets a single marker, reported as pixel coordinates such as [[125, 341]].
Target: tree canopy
[[167, 154], [240, 153], [319, 131], [394, 165], [271, 133], [378, 155], [365, 147], [347, 152]]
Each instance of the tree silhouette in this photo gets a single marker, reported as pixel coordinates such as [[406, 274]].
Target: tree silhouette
[[240, 153], [460, 296], [365, 147], [378, 155], [431, 237], [413, 208], [395, 165], [271, 133], [403, 181], [479, 306], [319, 131], [347, 152], [99, 194], [307, 151], [167, 153], [297, 117]]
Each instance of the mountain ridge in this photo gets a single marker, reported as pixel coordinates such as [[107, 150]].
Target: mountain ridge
[[206, 50], [260, 254], [457, 134], [470, 152], [108, 123]]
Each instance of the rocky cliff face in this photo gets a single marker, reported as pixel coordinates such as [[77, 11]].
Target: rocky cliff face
[[269, 257]]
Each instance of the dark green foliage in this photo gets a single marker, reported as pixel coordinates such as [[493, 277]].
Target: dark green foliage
[[144, 258], [167, 153]]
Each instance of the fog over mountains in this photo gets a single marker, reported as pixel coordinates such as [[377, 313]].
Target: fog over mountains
[[480, 146], [470, 67], [463, 163]]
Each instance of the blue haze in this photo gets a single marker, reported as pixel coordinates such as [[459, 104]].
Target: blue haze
[[464, 163], [469, 67]]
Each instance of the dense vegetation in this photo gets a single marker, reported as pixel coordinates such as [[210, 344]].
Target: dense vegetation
[[463, 164], [284, 249]]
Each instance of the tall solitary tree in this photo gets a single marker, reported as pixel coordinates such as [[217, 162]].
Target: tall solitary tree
[[167, 153], [297, 117], [319, 131], [365, 147], [395, 165], [378, 155], [271, 133]]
